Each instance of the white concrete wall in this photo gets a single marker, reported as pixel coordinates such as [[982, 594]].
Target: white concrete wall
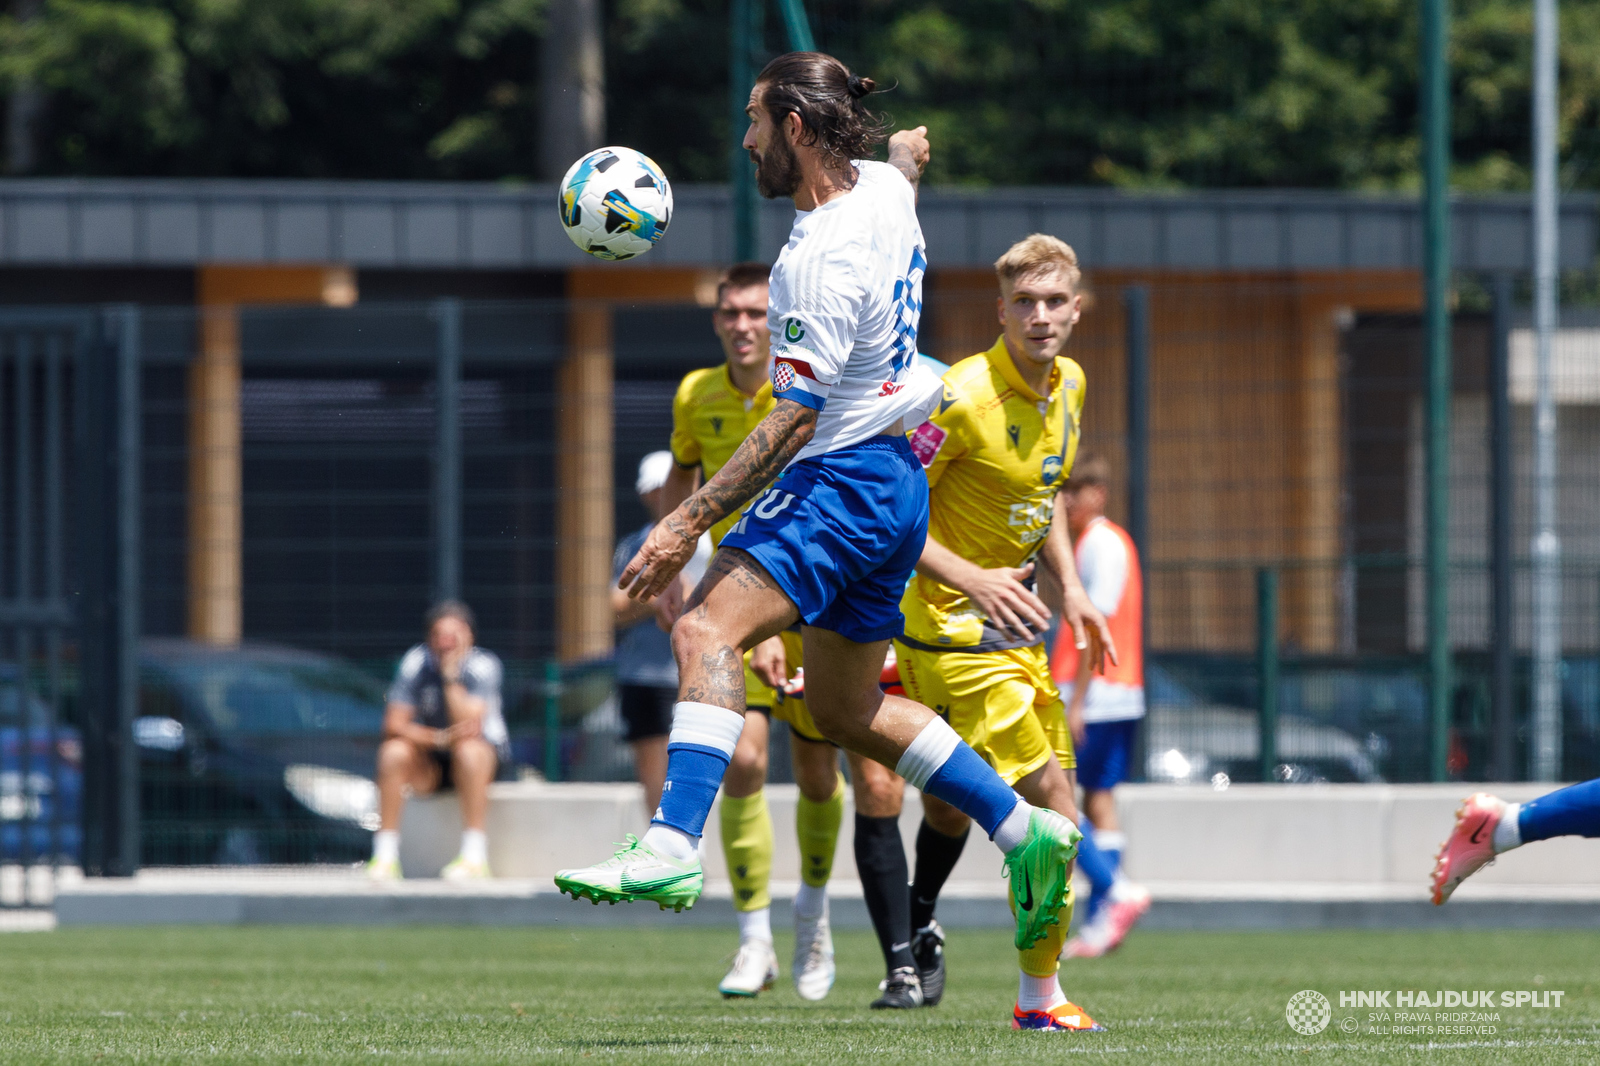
[[1371, 834], [1328, 834]]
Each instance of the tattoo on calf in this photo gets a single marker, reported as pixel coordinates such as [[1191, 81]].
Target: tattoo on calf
[[722, 680]]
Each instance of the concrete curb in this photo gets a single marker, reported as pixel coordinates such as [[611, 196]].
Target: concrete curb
[[420, 904]]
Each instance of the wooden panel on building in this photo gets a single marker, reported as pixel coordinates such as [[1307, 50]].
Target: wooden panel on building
[[1246, 450]]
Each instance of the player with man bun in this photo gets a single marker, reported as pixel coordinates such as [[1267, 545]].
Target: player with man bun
[[831, 542], [713, 411]]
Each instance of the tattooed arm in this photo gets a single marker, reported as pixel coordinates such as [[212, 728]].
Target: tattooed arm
[[776, 439], [908, 153]]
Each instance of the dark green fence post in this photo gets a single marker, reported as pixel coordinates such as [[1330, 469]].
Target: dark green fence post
[[552, 720], [447, 451], [1435, 94], [797, 25], [1136, 307], [745, 23], [1502, 761], [1267, 667]]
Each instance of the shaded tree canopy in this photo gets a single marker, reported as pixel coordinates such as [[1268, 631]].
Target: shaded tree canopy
[[1128, 93]]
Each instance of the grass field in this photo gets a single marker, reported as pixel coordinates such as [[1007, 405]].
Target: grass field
[[542, 995]]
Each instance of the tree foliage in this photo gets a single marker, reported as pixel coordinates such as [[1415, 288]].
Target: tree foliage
[[1129, 93], [293, 88]]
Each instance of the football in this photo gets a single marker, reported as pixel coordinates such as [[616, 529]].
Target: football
[[615, 203]]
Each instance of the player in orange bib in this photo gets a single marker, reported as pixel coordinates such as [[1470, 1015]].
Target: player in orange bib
[[1103, 711]]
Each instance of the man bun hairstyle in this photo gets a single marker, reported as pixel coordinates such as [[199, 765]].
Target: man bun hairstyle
[[1035, 254], [828, 98], [742, 276]]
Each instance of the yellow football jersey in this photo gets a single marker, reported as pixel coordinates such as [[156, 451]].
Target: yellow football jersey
[[710, 419], [996, 454]]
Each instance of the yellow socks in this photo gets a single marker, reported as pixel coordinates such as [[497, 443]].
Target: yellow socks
[[1044, 958], [817, 825], [747, 845]]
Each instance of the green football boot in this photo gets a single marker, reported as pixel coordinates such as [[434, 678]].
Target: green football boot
[[636, 872], [1038, 871]]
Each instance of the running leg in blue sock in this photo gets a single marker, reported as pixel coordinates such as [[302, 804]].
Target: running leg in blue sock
[[1097, 866], [1573, 811], [699, 749], [938, 763]]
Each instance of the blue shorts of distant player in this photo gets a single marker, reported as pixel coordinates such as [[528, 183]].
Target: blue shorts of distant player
[[840, 534], [1105, 754]]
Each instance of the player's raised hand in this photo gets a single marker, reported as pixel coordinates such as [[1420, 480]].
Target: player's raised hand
[[659, 560], [914, 143], [908, 153], [1011, 605]]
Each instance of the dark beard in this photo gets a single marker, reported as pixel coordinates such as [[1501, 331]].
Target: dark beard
[[777, 172]]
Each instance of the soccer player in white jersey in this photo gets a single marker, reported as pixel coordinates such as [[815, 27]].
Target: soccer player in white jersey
[[831, 542]]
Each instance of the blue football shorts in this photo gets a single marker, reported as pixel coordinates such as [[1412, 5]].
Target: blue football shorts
[[840, 534], [1106, 754]]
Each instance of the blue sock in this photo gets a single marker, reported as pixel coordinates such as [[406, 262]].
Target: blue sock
[[1098, 866], [693, 776], [938, 763], [699, 749], [1573, 811], [1110, 843]]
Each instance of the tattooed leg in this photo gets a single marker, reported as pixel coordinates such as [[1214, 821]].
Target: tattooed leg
[[736, 606]]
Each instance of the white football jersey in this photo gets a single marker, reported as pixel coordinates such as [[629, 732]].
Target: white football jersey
[[844, 302]]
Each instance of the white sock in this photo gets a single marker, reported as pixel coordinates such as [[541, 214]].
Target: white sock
[[811, 903], [671, 842], [386, 845], [1508, 834], [755, 925], [1111, 839], [1013, 827], [475, 845], [927, 752], [1039, 993]]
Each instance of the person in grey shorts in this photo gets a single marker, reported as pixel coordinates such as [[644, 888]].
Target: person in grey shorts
[[442, 729]]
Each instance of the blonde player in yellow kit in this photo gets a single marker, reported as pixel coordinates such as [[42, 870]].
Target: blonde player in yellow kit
[[713, 412], [996, 453]]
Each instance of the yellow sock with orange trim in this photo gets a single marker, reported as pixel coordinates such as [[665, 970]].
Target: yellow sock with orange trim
[[817, 826], [747, 845]]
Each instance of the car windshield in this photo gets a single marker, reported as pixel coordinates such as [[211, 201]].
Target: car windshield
[[256, 697]]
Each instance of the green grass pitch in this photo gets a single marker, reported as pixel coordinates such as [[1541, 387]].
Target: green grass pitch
[[318, 995]]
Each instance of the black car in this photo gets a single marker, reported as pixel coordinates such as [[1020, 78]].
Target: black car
[[255, 754]]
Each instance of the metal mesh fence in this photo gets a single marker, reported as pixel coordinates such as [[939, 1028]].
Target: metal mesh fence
[[386, 455]]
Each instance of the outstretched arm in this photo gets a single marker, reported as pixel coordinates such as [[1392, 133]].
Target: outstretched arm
[[999, 593], [776, 439], [908, 153]]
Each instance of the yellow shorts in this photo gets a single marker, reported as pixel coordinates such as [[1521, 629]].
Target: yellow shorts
[[1003, 703], [791, 709]]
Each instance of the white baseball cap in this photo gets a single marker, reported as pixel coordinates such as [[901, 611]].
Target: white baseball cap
[[653, 471]]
